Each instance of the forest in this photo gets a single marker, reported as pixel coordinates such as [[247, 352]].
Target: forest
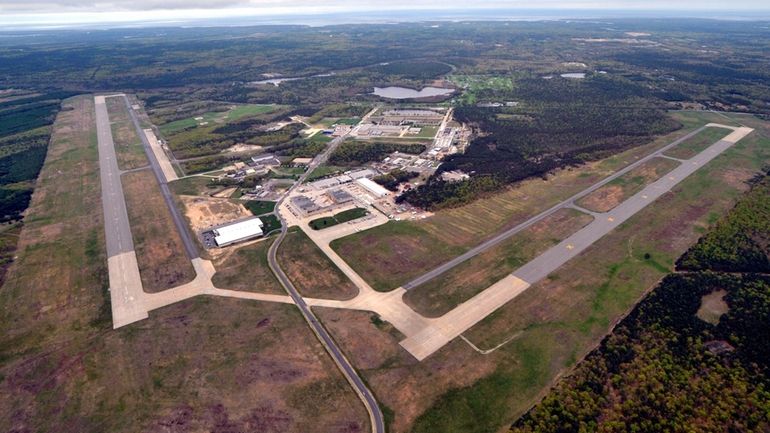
[[665, 368], [25, 128], [352, 153], [559, 122]]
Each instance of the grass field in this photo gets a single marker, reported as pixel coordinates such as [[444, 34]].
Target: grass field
[[426, 132], [338, 218], [260, 207], [311, 271], [407, 247], [194, 185], [557, 321], [620, 189], [217, 117], [246, 269], [694, 145], [450, 232], [324, 170], [128, 146], [159, 249], [553, 324], [440, 295]]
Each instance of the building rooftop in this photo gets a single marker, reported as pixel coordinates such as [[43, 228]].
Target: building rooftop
[[372, 186], [241, 230]]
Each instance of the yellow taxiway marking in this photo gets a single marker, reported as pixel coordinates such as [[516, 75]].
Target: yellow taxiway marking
[[671, 178], [570, 246], [610, 219], [644, 196]]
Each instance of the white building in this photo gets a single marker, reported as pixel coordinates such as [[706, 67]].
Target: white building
[[373, 187], [240, 231]]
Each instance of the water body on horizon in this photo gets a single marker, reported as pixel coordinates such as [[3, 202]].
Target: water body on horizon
[[393, 92]]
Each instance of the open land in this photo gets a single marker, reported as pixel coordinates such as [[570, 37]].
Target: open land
[[547, 327], [159, 248], [128, 146], [311, 271]]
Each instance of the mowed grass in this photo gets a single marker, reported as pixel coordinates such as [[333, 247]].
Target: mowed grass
[[245, 268], [338, 218], [128, 146], [391, 254], [620, 189], [443, 293], [451, 232], [311, 271], [697, 143], [159, 249], [557, 321], [217, 117], [260, 207]]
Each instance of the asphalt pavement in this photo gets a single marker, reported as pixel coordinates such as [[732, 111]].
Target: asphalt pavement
[[366, 396], [489, 243], [190, 247]]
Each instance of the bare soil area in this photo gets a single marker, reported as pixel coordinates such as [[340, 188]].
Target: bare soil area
[[204, 212]]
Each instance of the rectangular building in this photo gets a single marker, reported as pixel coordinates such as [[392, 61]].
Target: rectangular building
[[373, 187], [237, 232]]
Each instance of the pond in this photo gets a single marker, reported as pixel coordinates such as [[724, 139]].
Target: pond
[[405, 93], [574, 75]]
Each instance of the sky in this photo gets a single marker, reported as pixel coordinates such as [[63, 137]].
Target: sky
[[21, 13]]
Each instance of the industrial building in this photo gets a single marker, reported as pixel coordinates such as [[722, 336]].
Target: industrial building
[[304, 205], [372, 187], [237, 232], [339, 196]]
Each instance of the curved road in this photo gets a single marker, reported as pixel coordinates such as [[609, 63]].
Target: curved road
[[366, 396]]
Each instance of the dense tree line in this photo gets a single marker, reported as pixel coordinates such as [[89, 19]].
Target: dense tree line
[[665, 369], [561, 122], [359, 152], [414, 69], [394, 178]]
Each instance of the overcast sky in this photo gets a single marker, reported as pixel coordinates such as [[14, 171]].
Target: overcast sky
[[16, 13]]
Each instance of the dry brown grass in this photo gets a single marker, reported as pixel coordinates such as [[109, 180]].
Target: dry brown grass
[[206, 364], [620, 189], [128, 146], [442, 294], [311, 271], [244, 267], [159, 249]]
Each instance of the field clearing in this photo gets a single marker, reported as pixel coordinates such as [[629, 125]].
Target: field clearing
[[128, 146], [245, 268], [620, 189], [377, 253], [217, 117], [193, 185], [159, 250], [311, 271], [440, 295], [696, 144]]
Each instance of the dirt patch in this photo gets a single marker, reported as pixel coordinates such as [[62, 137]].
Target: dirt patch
[[242, 148], [603, 199], [159, 250], [204, 213], [712, 307]]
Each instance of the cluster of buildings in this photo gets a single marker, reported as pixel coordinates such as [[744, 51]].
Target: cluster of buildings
[[257, 165]]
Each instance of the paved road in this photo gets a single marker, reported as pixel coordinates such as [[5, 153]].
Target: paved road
[[512, 231], [189, 244], [366, 396]]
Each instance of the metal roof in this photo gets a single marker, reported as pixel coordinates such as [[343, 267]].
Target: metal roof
[[238, 231]]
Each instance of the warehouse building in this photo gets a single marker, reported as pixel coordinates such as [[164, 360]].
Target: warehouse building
[[372, 187], [237, 232]]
